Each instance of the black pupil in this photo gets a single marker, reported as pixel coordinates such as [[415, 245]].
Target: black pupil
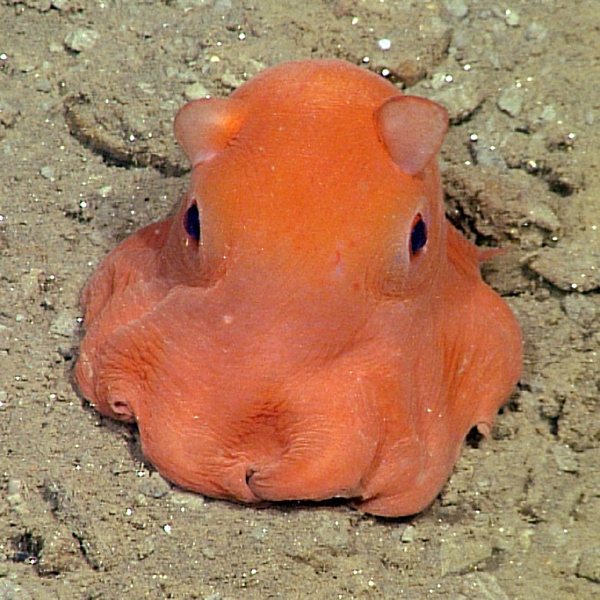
[[418, 235], [191, 222]]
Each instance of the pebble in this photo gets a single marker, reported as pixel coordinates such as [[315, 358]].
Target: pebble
[[535, 32], [566, 459], [231, 81], [510, 101], [512, 18], [13, 487], [79, 40], [195, 91], [409, 71], [190, 500], [154, 487], [408, 535], [458, 555], [47, 172], [457, 8], [8, 113], [259, 532], [488, 156], [14, 498], [543, 216], [460, 100], [43, 85], [332, 534], [64, 325], [548, 113], [145, 548]]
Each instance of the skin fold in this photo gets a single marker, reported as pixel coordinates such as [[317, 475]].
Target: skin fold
[[308, 325]]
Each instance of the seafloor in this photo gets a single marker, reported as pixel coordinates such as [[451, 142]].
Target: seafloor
[[88, 90]]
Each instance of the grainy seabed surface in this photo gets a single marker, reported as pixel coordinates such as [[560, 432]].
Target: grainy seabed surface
[[88, 91]]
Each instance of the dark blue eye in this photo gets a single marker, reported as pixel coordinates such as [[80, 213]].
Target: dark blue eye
[[418, 235], [191, 222]]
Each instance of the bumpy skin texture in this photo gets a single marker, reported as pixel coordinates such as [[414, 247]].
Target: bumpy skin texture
[[304, 339]]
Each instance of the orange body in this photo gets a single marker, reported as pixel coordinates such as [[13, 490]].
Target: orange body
[[308, 325]]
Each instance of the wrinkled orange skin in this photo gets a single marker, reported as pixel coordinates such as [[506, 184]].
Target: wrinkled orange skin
[[300, 351]]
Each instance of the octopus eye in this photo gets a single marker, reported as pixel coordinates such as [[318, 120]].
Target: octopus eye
[[418, 235], [191, 222]]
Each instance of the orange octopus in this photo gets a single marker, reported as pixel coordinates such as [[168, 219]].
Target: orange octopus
[[308, 325]]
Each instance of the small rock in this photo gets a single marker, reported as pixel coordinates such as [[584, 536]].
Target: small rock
[[190, 500], [14, 498], [333, 535], [460, 100], [155, 487], [231, 81], [8, 114], [589, 564], [488, 155], [145, 548], [23, 66], [259, 532], [535, 32], [64, 325], [195, 91], [510, 101], [548, 113], [47, 172], [543, 216], [147, 88], [79, 40], [457, 8], [512, 18], [13, 487], [43, 85], [408, 535], [566, 459], [409, 71], [458, 555]]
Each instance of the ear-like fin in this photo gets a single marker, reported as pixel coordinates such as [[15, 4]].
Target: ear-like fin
[[412, 130], [204, 127]]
